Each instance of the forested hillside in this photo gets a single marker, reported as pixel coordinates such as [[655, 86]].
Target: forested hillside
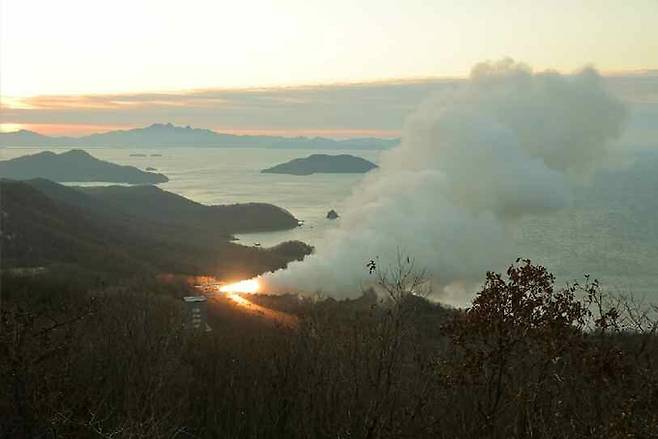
[[134, 229], [526, 359]]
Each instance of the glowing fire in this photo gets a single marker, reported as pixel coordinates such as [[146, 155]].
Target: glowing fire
[[235, 293], [239, 299], [244, 286]]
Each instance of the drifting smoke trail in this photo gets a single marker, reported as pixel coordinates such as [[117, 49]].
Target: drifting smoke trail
[[506, 144]]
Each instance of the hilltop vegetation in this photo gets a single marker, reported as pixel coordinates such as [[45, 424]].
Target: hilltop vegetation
[[525, 360]]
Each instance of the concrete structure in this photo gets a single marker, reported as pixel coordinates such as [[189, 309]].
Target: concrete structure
[[196, 312]]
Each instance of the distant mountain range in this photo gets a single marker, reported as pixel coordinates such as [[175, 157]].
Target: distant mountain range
[[167, 135]]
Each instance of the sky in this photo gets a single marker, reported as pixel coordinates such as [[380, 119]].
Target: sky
[[142, 60]]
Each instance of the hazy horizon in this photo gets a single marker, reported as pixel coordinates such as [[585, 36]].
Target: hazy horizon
[[354, 69], [362, 109]]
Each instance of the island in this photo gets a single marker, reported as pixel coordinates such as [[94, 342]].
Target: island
[[324, 164], [75, 165]]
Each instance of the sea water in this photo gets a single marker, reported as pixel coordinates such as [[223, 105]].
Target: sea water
[[611, 242]]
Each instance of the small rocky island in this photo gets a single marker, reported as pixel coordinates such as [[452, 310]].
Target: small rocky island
[[323, 163], [74, 165]]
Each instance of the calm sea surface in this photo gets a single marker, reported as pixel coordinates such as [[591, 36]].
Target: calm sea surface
[[613, 242]]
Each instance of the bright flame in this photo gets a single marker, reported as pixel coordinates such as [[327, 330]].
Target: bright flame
[[244, 286], [239, 299]]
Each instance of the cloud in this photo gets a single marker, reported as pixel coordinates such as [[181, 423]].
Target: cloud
[[339, 110], [376, 108]]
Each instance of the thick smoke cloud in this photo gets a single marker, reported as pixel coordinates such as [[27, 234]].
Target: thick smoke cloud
[[471, 164]]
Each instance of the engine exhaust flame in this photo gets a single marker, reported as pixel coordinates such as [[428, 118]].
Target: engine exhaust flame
[[277, 317], [250, 286], [239, 299]]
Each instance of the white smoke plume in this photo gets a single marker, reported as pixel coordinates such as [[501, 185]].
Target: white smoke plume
[[508, 143]]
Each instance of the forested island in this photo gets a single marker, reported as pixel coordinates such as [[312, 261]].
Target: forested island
[[75, 165], [323, 164]]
